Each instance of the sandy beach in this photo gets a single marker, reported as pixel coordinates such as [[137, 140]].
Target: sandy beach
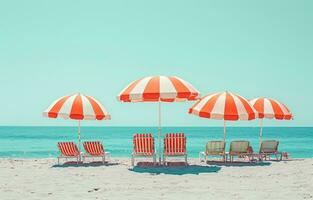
[[42, 178]]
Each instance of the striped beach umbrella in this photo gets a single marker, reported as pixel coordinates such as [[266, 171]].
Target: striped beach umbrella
[[224, 106], [77, 107], [270, 109], [159, 89]]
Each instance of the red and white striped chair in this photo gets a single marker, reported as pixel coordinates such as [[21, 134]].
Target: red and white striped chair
[[174, 146], [143, 147], [94, 149], [68, 150]]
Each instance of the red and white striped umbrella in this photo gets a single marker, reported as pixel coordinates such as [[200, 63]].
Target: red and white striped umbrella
[[224, 106], [270, 109], [158, 88], [78, 107]]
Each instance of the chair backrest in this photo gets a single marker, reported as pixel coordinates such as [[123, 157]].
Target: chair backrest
[[143, 143], [269, 146], [175, 143], [68, 148], [94, 148], [215, 147], [239, 147]]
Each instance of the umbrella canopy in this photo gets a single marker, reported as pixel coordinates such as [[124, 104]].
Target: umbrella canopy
[[159, 89], [270, 109], [77, 107], [223, 106]]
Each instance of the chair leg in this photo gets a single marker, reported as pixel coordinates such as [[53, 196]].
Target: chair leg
[[186, 163], [58, 160], [133, 160], [164, 160], [103, 159], [154, 159]]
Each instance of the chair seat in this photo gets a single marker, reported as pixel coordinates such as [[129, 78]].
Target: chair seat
[[144, 154], [269, 152], [174, 153], [96, 154], [239, 153]]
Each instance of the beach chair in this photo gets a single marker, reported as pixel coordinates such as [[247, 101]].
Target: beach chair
[[213, 148], [68, 150], [268, 148], [239, 149], [94, 149], [143, 147], [174, 146]]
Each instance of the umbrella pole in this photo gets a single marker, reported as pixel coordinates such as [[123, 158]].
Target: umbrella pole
[[159, 132], [79, 135], [224, 131], [261, 131]]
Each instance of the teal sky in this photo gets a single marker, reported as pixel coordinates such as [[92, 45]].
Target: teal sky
[[53, 48]]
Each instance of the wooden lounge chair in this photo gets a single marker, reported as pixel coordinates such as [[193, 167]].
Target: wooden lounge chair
[[68, 150], [94, 149], [268, 148], [239, 149], [213, 148], [143, 147], [174, 146]]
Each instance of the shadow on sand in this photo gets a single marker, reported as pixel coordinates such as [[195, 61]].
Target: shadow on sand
[[174, 169], [238, 164], [80, 164]]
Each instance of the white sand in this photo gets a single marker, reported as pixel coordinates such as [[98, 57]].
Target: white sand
[[38, 179]]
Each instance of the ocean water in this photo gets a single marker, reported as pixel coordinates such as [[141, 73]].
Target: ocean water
[[40, 142]]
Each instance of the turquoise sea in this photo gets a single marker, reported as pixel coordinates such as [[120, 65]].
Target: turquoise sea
[[40, 142]]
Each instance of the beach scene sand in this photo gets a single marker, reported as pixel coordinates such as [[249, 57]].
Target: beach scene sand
[[159, 100], [41, 178]]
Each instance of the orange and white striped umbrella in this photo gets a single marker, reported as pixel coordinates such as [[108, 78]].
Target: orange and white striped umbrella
[[223, 106], [271, 108], [158, 89], [78, 107]]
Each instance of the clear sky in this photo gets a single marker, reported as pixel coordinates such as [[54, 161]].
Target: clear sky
[[53, 48]]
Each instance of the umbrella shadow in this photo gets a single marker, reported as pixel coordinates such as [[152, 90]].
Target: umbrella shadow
[[175, 169], [238, 164], [81, 164]]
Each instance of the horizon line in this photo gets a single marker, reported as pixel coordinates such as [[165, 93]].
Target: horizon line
[[113, 126]]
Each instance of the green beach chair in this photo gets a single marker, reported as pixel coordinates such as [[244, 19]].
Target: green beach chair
[[239, 149], [213, 148], [268, 148]]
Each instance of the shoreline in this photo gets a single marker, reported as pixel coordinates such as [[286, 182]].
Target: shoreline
[[36, 178]]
